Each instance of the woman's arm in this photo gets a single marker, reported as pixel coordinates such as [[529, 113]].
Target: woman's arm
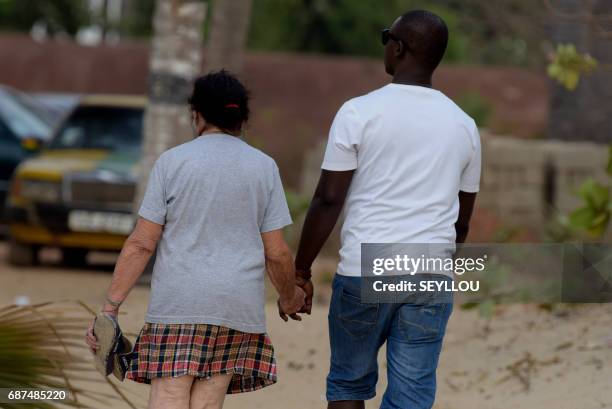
[[135, 255], [280, 267]]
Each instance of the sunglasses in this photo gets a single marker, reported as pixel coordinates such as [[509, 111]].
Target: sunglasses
[[387, 35]]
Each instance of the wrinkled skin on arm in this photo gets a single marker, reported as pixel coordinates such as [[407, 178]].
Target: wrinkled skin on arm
[[136, 253], [279, 264]]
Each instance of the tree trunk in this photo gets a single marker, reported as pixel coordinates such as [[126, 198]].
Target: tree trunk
[[584, 114], [175, 60], [228, 34], [104, 19]]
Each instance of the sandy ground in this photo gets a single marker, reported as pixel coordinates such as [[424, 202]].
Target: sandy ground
[[524, 358]]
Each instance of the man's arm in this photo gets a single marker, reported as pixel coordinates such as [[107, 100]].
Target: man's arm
[[466, 206], [136, 252], [279, 264], [322, 216]]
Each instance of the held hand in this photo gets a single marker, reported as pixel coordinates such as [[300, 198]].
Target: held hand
[[291, 306], [307, 286], [90, 338]]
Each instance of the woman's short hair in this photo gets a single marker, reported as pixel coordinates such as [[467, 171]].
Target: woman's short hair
[[221, 99]]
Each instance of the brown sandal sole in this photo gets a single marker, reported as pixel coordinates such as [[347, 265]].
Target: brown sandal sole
[[106, 331]]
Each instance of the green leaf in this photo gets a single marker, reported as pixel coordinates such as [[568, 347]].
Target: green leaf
[[568, 65], [595, 194], [609, 168], [571, 80], [601, 218], [599, 225], [554, 70], [581, 219], [585, 188], [469, 305], [600, 196]]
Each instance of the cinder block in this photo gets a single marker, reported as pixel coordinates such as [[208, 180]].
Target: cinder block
[[518, 172], [573, 163]]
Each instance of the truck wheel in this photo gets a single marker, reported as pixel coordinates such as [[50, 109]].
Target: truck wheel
[[21, 254], [74, 257]]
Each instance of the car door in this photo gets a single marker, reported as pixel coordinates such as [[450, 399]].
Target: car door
[[11, 153]]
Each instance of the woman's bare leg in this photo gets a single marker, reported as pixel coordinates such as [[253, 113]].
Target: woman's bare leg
[[209, 393], [170, 393]]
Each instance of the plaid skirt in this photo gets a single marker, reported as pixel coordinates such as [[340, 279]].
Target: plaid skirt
[[203, 350]]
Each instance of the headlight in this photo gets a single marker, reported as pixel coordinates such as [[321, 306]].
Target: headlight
[[41, 191], [15, 188]]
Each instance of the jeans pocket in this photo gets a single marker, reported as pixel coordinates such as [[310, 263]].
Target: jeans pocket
[[357, 318], [423, 322]]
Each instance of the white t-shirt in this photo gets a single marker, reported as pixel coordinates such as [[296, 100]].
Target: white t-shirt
[[413, 150]]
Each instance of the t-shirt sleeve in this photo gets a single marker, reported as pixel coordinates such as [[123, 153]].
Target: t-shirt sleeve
[[153, 207], [470, 177], [344, 140], [277, 213]]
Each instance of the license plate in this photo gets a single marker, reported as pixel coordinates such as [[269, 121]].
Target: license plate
[[100, 222]]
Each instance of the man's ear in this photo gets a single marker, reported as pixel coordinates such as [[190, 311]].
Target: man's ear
[[400, 49]]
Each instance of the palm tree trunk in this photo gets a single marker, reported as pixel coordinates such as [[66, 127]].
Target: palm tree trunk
[[228, 34], [175, 60]]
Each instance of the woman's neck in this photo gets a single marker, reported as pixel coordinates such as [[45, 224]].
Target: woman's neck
[[210, 129]]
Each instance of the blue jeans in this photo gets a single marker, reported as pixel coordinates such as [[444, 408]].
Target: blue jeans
[[413, 333]]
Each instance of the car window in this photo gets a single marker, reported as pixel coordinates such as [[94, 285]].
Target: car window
[[55, 106], [93, 127], [6, 136], [21, 119], [34, 106]]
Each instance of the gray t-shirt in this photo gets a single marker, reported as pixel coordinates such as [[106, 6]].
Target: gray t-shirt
[[215, 196]]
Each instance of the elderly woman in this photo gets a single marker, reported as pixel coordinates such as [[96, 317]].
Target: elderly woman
[[214, 209]]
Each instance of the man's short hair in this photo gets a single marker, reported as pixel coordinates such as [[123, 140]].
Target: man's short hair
[[426, 36]]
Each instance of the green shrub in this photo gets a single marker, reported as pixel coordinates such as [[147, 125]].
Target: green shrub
[[476, 106]]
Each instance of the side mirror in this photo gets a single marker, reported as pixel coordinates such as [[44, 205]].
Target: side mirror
[[31, 144]]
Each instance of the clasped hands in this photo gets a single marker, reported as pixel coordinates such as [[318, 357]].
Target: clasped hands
[[301, 301]]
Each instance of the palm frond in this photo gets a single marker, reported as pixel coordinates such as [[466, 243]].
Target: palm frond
[[42, 346]]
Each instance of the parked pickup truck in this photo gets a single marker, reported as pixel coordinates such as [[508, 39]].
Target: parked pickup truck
[[78, 193]]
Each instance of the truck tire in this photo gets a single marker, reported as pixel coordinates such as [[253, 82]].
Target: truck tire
[[74, 257], [21, 254]]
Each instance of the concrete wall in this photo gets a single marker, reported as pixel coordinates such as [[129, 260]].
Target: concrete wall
[[525, 183], [513, 179]]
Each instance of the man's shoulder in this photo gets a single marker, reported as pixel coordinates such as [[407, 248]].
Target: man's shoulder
[[458, 112], [367, 98], [360, 106]]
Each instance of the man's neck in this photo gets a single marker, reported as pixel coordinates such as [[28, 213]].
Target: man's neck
[[420, 80]]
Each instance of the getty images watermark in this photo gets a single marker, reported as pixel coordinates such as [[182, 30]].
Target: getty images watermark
[[403, 264], [510, 273]]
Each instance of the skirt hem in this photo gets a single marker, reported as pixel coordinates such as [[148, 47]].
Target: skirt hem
[[260, 382]]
